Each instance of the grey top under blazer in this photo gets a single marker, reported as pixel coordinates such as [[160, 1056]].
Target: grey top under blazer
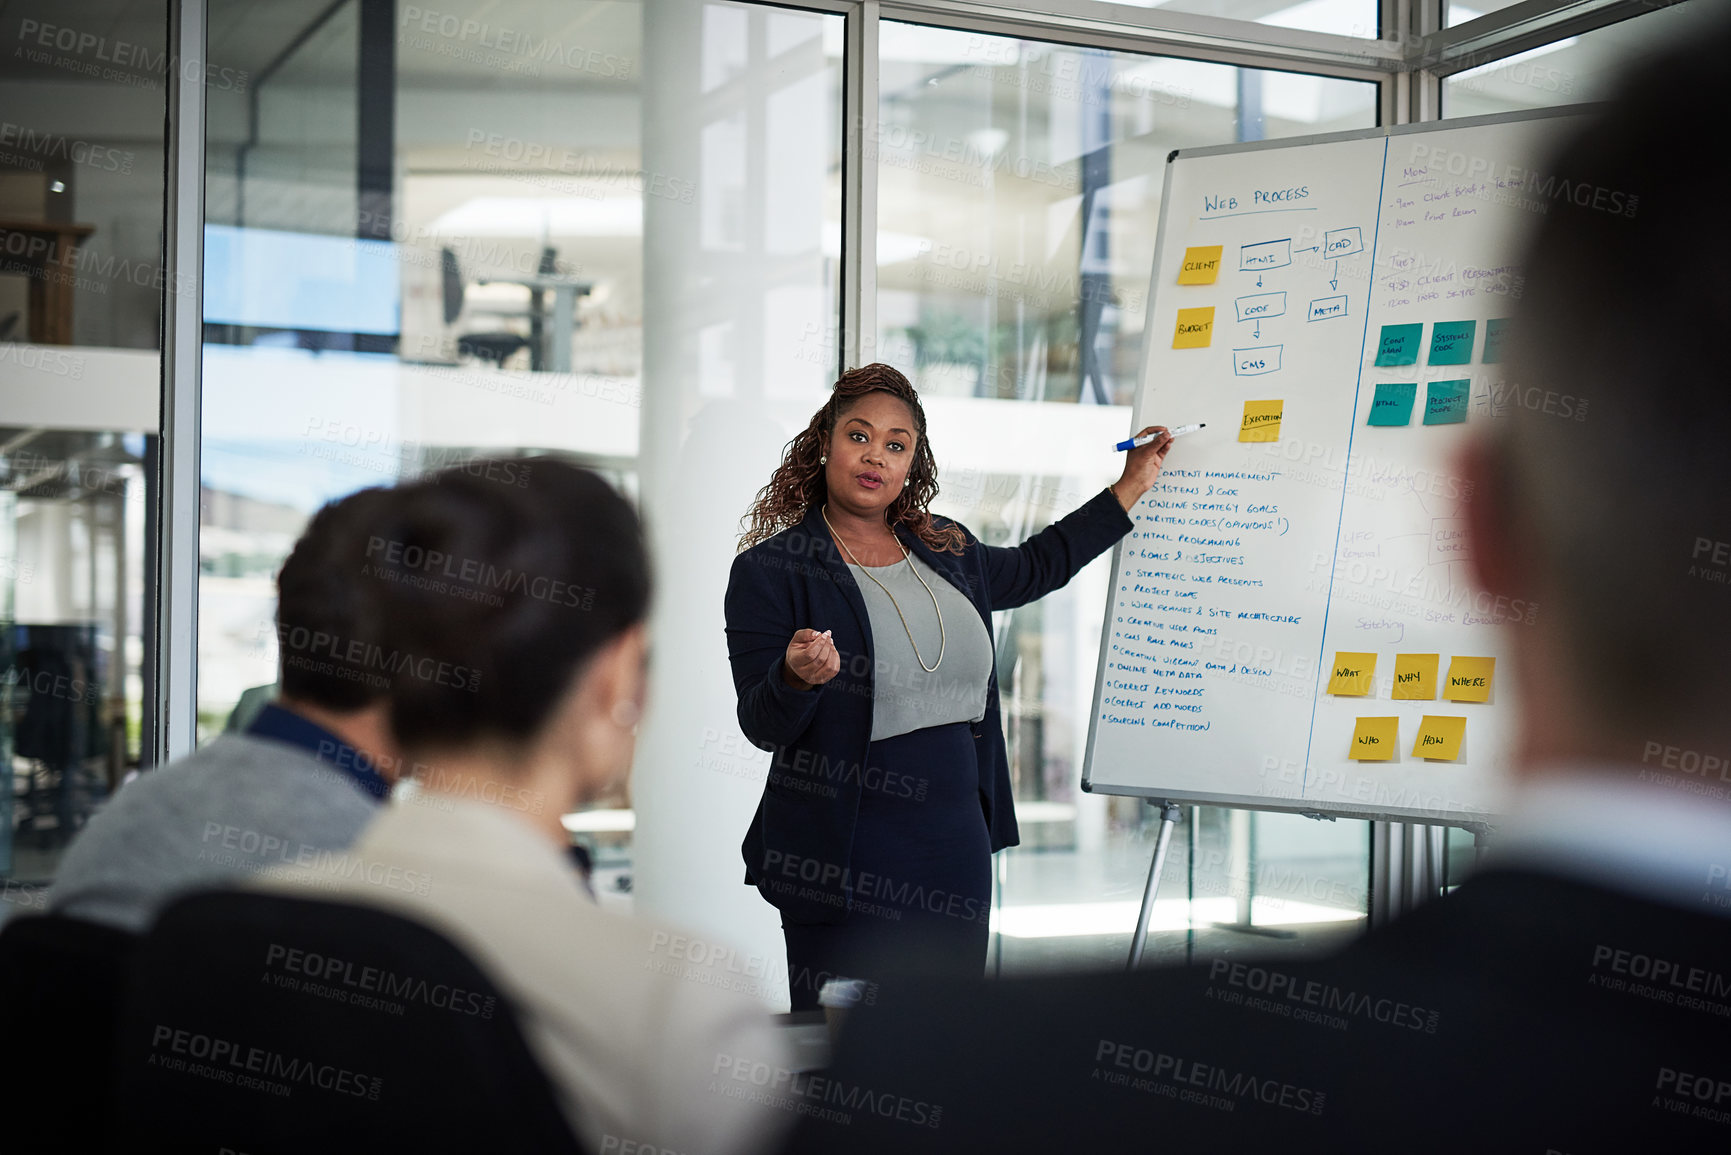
[[797, 848], [907, 696]]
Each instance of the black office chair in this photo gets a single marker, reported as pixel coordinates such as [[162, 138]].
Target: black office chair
[[60, 989], [493, 347], [287, 1026], [60, 734]]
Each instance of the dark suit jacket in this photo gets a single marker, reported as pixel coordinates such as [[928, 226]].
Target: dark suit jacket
[[797, 849], [1523, 1013]]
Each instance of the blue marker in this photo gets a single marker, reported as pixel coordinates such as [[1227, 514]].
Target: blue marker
[[1139, 442]]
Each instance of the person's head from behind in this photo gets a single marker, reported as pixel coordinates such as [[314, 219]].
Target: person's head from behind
[[1602, 493], [327, 625], [515, 615]]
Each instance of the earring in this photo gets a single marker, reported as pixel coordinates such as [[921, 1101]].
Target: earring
[[824, 460], [907, 481]]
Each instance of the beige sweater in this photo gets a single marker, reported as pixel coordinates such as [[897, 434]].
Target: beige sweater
[[642, 1032]]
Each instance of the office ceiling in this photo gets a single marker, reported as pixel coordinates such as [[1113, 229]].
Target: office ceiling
[[460, 42]]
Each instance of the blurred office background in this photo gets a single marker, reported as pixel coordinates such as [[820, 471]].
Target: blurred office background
[[646, 236]]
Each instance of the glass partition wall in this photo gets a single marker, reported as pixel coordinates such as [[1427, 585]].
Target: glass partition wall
[[598, 230], [614, 232], [82, 92], [426, 242], [1019, 191], [646, 236]]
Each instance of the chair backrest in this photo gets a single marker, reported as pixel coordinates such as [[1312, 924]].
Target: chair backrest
[[451, 284], [61, 981], [278, 1025]]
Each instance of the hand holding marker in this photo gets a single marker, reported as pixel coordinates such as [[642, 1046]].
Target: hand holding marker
[[1139, 442]]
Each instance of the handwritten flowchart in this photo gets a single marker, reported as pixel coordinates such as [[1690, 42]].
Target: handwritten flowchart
[[1263, 259]]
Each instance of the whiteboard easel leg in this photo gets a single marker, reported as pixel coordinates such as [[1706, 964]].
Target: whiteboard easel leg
[[1168, 819]]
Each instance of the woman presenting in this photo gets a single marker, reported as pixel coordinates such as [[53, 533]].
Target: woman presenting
[[859, 628]]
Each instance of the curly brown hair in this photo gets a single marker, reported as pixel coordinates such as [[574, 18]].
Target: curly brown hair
[[798, 482]]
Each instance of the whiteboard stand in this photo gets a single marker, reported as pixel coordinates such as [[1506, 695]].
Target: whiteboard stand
[[1481, 832], [1168, 819]]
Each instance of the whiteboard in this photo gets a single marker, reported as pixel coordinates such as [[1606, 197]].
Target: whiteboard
[[1254, 566]]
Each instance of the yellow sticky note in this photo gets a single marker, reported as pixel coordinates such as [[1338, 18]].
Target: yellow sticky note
[[1201, 265], [1195, 328], [1415, 676], [1469, 679], [1261, 421], [1373, 739], [1439, 737], [1351, 673]]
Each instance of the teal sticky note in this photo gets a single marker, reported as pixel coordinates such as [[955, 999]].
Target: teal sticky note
[[1445, 402], [1392, 404], [1496, 332], [1398, 344], [1451, 342]]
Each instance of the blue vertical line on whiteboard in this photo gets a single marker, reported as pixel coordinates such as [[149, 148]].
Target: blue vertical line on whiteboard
[[1346, 481]]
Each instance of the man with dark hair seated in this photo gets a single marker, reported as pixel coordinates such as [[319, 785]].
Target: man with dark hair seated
[[306, 774], [1574, 995]]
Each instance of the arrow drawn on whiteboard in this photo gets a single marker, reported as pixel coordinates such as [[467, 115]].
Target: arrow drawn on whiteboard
[[1334, 278], [1257, 332], [1311, 249], [1259, 280]]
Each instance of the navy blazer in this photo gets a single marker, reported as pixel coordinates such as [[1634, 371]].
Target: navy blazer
[[801, 838]]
